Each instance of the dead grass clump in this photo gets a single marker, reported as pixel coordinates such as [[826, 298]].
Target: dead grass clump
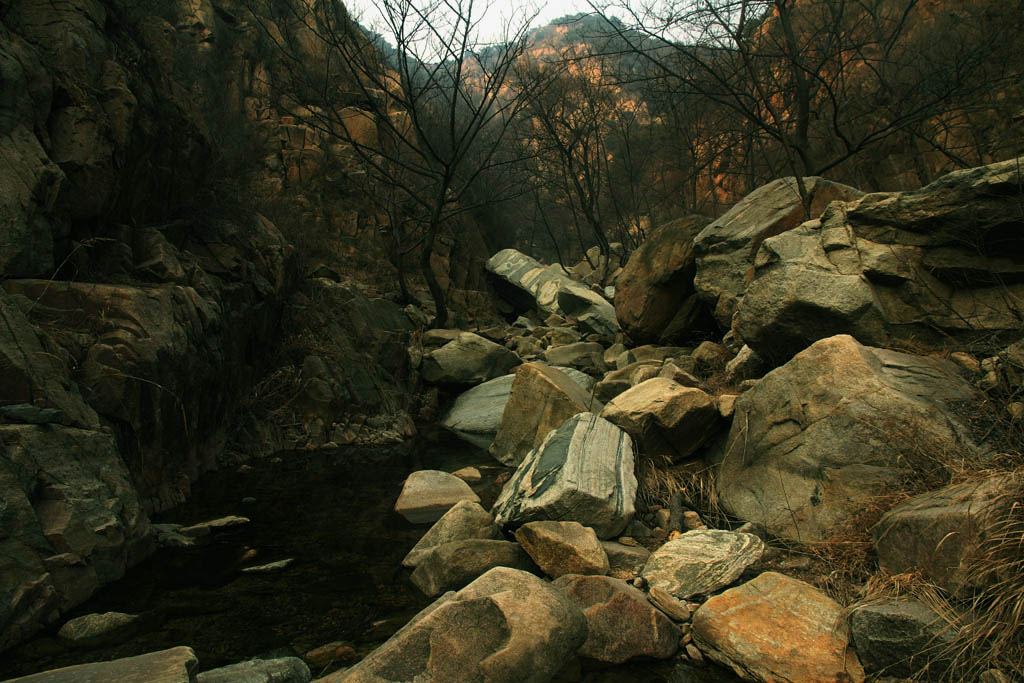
[[658, 481], [991, 628]]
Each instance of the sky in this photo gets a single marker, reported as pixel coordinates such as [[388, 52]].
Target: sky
[[498, 13]]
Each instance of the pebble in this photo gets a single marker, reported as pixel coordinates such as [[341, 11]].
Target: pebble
[[693, 653]]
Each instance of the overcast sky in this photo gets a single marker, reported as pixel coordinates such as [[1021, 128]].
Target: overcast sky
[[498, 15]]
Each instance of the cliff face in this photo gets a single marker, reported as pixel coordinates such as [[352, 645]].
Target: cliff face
[[140, 292]]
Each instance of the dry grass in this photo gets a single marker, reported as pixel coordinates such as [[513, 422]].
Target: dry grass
[[659, 481]]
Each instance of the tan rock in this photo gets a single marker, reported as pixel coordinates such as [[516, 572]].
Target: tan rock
[[428, 494], [665, 417], [542, 399], [563, 548], [776, 628]]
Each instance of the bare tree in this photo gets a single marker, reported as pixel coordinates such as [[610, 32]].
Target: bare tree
[[439, 103]]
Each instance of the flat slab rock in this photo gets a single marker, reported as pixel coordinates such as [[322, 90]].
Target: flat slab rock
[[176, 665], [622, 624], [581, 472], [476, 415], [701, 562], [279, 670], [428, 494], [776, 628]]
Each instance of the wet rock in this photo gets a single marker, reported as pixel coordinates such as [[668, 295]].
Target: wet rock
[[452, 565], [940, 533], [270, 567], [280, 670], [563, 548], [95, 629], [621, 624], [582, 472], [701, 562], [724, 250], [814, 441], [542, 398], [759, 628], [507, 625], [467, 359], [900, 637], [465, 520], [176, 665], [72, 522], [428, 494], [665, 418]]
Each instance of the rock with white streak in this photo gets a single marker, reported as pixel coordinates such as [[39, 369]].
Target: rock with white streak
[[701, 562], [581, 472]]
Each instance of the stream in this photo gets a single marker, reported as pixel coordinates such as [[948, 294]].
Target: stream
[[331, 513]]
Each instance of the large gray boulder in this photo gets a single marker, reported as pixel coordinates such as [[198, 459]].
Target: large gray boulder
[[508, 626], [72, 522], [915, 266], [817, 439], [476, 415], [467, 359], [900, 637], [581, 472], [941, 533], [724, 250], [526, 283], [701, 562], [658, 280]]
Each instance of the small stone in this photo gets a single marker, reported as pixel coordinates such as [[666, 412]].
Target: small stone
[[662, 517], [727, 405], [1016, 410], [692, 521], [95, 629], [994, 676], [966, 361], [686, 640], [989, 381], [213, 526], [626, 540], [640, 582], [470, 475], [663, 600], [270, 567], [248, 500], [693, 653]]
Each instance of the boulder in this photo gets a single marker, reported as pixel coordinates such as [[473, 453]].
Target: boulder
[[508, 625], [525, 284], [625, 560], [476, 415], [278, 670], [176, 665], [621, 624], [581, 472], [563, 548], [452, 565], [617, 381], [890, 267], [657, 279], [775, 628], [665, 418], [464, 520], [900, 637], [817, 439], [428, 494], [95, 629], [72, 522], [467, 359], [542, 398], [941, 533], [701, 562], [724, 250], [586, 356]]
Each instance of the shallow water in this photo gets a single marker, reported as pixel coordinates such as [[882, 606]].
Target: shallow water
[[330, 512]]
